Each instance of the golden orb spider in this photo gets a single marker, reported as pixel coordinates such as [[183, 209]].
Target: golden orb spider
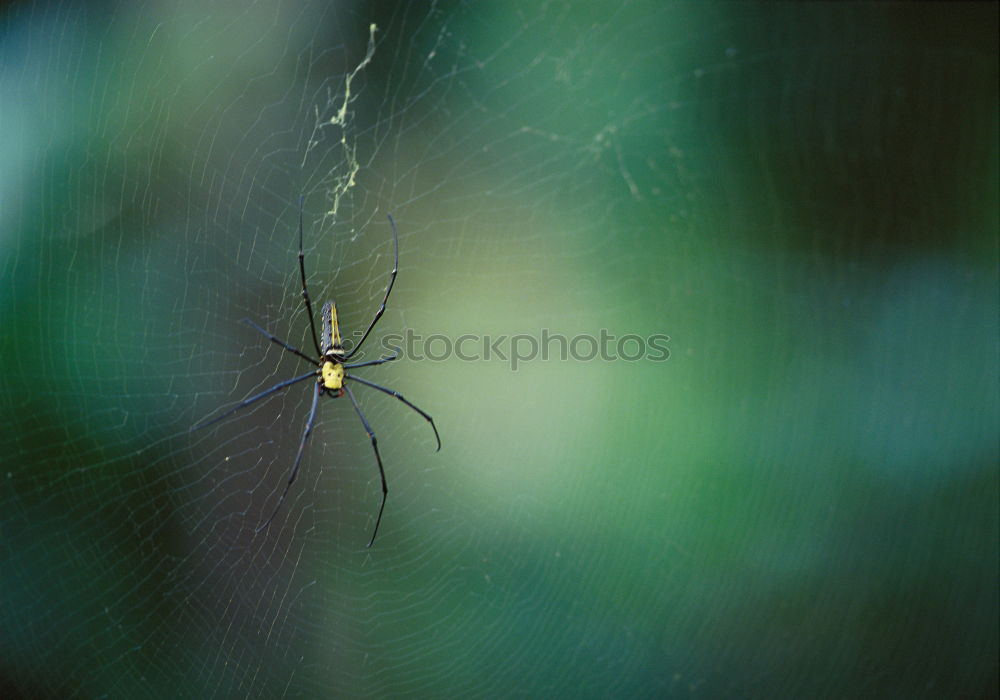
[[331, 374]]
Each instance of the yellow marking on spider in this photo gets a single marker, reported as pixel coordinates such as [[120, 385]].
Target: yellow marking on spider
[[335, 326], [333, 375], [332, 344]]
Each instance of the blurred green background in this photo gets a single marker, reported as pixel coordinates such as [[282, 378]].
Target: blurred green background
[[801, 502]]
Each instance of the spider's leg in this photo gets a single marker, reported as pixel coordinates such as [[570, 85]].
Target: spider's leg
[[380, 361], [257, 397], [298, 458], [399, 396], [279, 341], [392, 279], [378, 458], [305, 289]]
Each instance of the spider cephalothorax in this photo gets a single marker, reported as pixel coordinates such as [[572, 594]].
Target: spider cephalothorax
[[332, 377]]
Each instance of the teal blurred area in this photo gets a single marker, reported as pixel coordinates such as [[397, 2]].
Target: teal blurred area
[[800, 501]]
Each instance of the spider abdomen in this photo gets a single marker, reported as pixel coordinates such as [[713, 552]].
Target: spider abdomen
[[331, 343]]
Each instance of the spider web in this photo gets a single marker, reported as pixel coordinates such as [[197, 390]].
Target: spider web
[[801, 501]]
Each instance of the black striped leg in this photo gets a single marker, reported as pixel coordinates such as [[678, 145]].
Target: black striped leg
[[305, 289], [298, 458], [392, 280], [378, 458], [279, 341], [257, 397], [371, 363], [399, 396]]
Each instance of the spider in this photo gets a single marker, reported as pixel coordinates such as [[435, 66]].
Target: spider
[[331, 374]]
